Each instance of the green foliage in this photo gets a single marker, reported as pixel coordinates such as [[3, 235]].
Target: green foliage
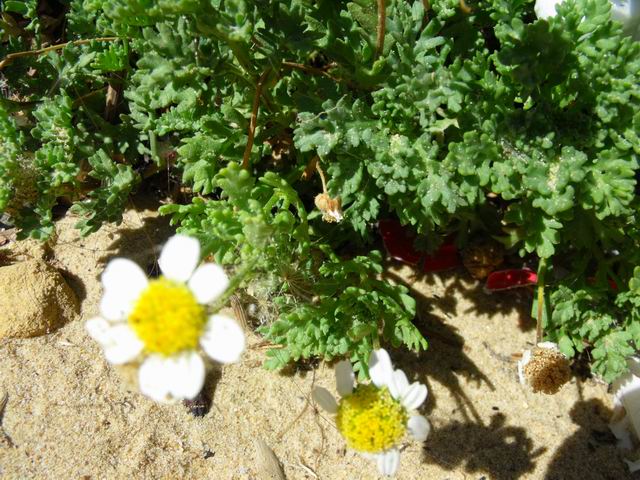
[[485, 121], [592, 317], [328, 307]]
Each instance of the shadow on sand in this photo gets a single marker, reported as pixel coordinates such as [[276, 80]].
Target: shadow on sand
[[483, 446], [590, 453]]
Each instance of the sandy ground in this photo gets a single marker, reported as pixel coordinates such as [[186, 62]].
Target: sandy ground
[[70, 415]]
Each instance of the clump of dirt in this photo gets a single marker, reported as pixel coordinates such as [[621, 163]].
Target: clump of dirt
[[35, 300]]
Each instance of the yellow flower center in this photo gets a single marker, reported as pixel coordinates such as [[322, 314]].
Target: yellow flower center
[[167, 317], [370, 419]]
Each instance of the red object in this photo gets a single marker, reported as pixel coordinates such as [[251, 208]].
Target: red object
[[444, 258], [612, 284], [508, 279], [398, 241]]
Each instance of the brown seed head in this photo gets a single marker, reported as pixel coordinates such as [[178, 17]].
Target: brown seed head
[[547, 370]]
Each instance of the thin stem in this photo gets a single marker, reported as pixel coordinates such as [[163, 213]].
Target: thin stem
[[254, 119], [382, 19], [542, 269], [309, 69], [234, 283], [12, 56], [322, 179]]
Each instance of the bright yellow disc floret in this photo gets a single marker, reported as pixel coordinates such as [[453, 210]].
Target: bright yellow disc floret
[[167, 317], [370, 419]]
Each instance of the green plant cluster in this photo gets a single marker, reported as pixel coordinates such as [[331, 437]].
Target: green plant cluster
[[329, 307], [471, 118]]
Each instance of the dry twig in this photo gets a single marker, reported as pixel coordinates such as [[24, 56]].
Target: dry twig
[[3, 435], [12, 56], [254, 119], [382, 19]]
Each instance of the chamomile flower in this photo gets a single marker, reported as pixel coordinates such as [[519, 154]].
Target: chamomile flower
[[374, 418], [163, 322]]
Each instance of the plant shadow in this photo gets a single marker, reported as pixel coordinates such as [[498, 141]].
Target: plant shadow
[[501, 451], [591, 451], [460, 283], [478, 445], [141, 242], [445, 361]]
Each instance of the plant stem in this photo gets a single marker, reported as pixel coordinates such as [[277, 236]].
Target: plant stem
[[542, 270], [309, 69], [464, 7], [12, 56], [235, 282], [322, 179], [382, 19], [254, 119]]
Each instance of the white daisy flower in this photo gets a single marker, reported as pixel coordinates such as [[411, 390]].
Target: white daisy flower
[[374, 418], [625, 421], [163, 322]]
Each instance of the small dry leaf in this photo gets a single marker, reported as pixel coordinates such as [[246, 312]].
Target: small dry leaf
[[240, 312], [267, 463]]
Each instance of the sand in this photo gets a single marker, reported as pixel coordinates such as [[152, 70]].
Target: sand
[[70, 415]]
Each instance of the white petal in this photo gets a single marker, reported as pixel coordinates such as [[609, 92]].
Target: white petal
[[208, 282], [627, 391], [116, 306], [415, 395], [120, 343], [323, 397], [546, 8], [186, 375], [344, 378], [123, 346], [223, 339], [179, 258], [419, 427], [153, 379], [398, 385], [634, 365], [123, 282], [380, 369], [388, 462], [121, 274], [526, 358], [98, 329]]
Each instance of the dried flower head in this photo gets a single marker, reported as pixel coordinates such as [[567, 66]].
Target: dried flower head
[[481, 260], [331, 208], [544, 368]]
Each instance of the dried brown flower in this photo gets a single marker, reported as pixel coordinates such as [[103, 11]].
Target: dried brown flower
[[331, 208], [544, 368]]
